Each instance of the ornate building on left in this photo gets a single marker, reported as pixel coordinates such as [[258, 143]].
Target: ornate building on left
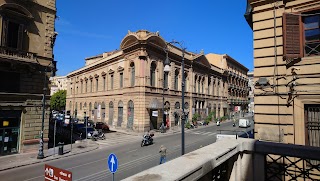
[[26, 63]]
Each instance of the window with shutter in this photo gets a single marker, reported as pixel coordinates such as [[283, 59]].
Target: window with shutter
[[292, 39]]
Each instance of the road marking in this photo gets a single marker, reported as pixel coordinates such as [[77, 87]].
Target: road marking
[[132, 151]]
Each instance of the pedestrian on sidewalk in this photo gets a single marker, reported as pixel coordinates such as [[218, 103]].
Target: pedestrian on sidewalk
[[163, 154]]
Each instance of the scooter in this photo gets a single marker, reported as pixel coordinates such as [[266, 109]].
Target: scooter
[[98, 136], [218, 123], [147, 140]]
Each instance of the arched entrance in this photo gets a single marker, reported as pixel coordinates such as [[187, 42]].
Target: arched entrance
[[95, 112], [130, 114], [120, 113], [110, 113]]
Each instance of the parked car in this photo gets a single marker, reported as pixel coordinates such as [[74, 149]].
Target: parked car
[[103, 126]]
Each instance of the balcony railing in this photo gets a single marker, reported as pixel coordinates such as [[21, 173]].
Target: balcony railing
[[240, 159], [11, 52]]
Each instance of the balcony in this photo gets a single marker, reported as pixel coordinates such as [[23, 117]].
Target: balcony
[[240, 159], [11, 53]]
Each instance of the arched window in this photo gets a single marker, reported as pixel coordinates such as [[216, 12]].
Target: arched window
[[132, 82], [176, 78], [70, 105], [166, 78], [195, 84], [177, 105], [153, 74]]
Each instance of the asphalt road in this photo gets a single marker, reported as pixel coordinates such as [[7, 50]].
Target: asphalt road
[[132, 158]]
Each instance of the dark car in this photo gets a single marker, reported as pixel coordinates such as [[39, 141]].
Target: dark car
[[103, 126]]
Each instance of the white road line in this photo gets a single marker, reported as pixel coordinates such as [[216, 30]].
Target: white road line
[[132, 151]]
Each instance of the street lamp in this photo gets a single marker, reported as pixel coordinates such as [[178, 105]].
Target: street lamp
[[40, 153], [166, 70], [182, 85]]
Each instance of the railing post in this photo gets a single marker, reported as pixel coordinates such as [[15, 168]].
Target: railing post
[[259, 161]]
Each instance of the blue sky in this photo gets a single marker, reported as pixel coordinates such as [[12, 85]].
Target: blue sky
[[88, 28]]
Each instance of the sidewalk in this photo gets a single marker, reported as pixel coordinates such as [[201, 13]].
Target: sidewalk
[[18, 160]]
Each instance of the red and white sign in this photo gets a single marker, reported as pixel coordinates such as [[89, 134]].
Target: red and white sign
[[53, 173], [237, 108]]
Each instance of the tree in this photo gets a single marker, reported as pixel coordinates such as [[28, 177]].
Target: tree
[[58, 100]]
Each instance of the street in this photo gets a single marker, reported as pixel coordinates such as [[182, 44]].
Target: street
[[131, 157]]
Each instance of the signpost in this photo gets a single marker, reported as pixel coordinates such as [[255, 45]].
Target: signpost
[[113, 164], [53, 173]]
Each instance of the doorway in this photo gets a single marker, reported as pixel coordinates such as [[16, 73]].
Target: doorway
[[9, 132]]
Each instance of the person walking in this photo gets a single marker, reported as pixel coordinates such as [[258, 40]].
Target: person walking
[[163, 154]]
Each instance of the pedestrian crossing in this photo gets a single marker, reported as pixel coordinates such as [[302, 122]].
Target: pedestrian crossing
[[117, 139], [204, 133]]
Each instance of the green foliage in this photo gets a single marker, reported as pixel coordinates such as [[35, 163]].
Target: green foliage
[[210, 116], [195, 117], [58, 100], [187, 125]]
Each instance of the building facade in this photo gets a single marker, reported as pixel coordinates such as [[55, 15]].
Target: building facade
[[286, 70], [125, 87], [58, 83], [26, 61]]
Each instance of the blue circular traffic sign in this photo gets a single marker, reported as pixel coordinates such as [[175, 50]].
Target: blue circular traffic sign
[[113, 163]]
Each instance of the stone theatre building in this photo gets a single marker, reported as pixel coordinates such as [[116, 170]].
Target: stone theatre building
[[125, 87], [26, 60]]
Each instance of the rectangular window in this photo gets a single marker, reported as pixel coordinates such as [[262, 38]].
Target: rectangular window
[[12, 34], [104, 83], [312, 34], [111, 81], [176, 81], [86, 87], [195, 86], [97, 85], [198, 87], [77, 90], [121, 80]]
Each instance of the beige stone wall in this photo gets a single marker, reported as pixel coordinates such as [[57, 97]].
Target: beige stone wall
[[275, 120]]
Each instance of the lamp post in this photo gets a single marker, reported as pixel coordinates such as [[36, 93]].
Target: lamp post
[[182, 92], [166, 70], [40, 153]]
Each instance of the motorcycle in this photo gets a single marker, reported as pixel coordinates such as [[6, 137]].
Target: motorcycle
[[147, 139], [98, 136]]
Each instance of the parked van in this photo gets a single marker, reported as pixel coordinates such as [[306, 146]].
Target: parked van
[[244, 123]]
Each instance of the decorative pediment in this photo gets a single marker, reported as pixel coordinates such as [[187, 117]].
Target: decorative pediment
[[120, 69], [96, 75], [103, 73], [90, 77], [111, 71], [86, 78]]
